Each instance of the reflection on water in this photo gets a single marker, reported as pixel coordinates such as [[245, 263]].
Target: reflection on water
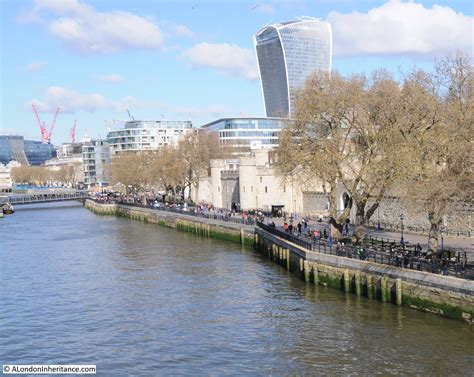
[[140, 299]]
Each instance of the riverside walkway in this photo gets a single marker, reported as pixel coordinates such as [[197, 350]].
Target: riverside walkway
[[374, 250]]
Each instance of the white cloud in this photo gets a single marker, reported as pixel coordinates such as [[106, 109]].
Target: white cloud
[[111, 79], [399, 27], [224, 57], [35, 66], [69, 101], [183, 31], [83, 29]]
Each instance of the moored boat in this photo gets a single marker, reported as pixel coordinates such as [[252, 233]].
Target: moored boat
[[8, 209]]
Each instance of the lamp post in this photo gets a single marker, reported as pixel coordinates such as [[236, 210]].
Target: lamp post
[[401, 228], [378, 218], [442, 229]]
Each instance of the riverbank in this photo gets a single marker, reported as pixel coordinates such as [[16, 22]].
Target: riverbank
[[443, 295], [243, 234]]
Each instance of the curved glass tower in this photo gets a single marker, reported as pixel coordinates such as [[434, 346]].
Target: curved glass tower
[[287, 53]]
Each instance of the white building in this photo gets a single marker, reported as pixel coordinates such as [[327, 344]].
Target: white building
[[96, 163], [251, 182], [146, 135], [287, 54], [6, 182]]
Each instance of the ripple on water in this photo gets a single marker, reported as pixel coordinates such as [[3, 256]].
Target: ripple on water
[[139, 299]]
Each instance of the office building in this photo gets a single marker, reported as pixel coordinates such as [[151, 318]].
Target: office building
[[287, 54], [246, 132], [25, 152]]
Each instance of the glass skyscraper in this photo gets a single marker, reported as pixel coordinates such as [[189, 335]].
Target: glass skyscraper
[[287, 54]]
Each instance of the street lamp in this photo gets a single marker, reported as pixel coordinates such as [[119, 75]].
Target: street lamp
[[401, 228], [442, 229], [378, 220]]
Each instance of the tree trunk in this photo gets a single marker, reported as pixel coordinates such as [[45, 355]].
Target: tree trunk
[[360, 226], [435, 222], [336, 229]]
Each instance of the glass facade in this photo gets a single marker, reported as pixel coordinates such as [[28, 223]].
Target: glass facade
[[243, 132], [287, 54], [26, 152], [146, 135]]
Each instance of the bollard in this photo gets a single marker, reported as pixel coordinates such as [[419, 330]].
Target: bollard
[[347, 281], [370, 287], [315, 274], [398, 290], [357, 283], [306, 271]]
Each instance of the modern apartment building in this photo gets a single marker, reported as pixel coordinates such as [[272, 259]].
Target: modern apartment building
[[146, 135], [287, 54], [96, 163]]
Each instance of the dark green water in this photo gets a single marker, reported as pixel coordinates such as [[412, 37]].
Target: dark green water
[[142, 300]]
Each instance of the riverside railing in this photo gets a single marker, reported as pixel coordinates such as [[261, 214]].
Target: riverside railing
[[191, 211], [374, 252]]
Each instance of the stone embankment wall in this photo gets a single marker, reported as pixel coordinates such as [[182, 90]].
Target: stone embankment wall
[[444, 295], [201, 226]]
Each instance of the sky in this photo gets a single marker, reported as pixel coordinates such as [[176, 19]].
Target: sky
[[190, 60]]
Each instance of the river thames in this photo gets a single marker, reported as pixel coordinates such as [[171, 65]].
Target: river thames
[[141, 299]]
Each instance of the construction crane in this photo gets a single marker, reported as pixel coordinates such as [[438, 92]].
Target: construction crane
[[42, 127], [73, 133], [131, 118], [45, 135]]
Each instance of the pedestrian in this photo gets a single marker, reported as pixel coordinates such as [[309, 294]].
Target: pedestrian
[[285, 226], [290, 228], [299, 228], [325, 233]]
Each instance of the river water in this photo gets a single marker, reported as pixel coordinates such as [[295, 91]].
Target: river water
[[140, 299]]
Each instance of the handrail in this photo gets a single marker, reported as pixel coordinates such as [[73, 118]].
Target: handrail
[[379, 254]]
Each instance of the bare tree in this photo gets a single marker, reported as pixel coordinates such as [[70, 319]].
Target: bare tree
[[342, 134], [437, 132]]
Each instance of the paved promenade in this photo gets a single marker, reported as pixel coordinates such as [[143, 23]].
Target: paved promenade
[[458, 244]]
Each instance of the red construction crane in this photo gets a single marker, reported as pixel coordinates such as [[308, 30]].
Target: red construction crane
[[45, 135], [73, 132]]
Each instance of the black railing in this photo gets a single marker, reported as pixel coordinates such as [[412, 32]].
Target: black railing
[[403, 256], [192, 211]]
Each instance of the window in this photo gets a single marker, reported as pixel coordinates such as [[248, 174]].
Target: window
[[251, 188], [244, 188], [266, 189], [260, 179]]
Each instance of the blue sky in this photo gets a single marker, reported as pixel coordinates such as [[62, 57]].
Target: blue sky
[[190, 59]]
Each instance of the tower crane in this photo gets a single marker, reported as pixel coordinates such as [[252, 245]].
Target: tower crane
[[45, 135], [73, 132]]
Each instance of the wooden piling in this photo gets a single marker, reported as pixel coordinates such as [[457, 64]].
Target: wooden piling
[[306, 271], [347, 281], [357, 283], [398, 290]]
